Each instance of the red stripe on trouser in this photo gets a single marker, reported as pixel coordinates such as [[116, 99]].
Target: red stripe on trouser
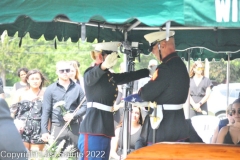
[[85, 146]]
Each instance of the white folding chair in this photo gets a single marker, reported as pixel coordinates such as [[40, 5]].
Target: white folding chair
[[205, 126]]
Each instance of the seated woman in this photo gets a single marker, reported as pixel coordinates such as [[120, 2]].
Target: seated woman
[[136, 126], [224, 122], [27, 109], [231, 134]]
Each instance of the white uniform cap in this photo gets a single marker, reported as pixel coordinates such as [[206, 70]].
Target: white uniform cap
[[158, 36], [107, 46], [152, 62]]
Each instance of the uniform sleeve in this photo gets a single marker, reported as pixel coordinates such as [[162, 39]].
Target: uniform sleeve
[[46, 110], [92, 75], [158, 83], [122, 78], [81, 112]]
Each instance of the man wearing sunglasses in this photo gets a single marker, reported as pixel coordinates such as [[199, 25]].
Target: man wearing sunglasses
[[101, 90], [69, 92], [168, 87]]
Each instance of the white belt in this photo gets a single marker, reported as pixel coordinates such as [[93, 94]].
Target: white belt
[[100, 106], [155, 121], [170, 106]]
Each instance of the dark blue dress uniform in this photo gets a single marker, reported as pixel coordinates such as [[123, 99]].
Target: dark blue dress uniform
[[169, 85], [101, 88]]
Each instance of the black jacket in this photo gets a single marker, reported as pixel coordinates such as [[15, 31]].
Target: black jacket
[[55, 93], [11, 141]]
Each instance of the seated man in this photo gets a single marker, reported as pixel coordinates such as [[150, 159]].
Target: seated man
[[11, 141]]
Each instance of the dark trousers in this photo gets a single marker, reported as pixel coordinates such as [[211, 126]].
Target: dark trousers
[[71, 136]]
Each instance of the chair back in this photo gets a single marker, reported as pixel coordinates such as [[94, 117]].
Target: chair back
[[205, 126]]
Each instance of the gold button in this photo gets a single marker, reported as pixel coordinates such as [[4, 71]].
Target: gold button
[[114, 101], [108, 75], [115, 95], [113, 84], [116, 89]]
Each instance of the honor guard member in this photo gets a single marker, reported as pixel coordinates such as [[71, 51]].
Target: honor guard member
[[101, 89], [168, 87]]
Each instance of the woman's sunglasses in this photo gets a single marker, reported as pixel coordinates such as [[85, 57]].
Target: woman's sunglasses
[[234, 112], [62, 70], [200, 68]]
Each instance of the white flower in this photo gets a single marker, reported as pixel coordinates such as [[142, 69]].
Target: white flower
[[204, 112], [59, 148], [60, 103]]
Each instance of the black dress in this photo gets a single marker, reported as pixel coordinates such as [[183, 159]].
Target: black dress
[[228, 139], [30, 112], [197, 93]]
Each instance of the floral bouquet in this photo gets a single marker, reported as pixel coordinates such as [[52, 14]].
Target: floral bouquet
[[61, 105], [52, 151]]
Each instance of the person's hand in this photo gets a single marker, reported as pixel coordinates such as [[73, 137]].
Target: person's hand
[[196, 107], [152, 69], [19, 125], [68, 117], [45, 137], [117, 106], [110, 60]]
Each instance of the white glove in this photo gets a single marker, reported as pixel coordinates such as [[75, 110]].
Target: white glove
[[152, 69], [140, 104], [110, 60]]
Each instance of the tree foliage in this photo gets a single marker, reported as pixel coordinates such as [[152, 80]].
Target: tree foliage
[[41, 54], [218, 71]]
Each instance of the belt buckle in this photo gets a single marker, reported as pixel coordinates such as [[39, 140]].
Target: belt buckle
[[112, 110]]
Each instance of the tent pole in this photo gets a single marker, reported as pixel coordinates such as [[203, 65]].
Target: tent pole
[[187, 110], [126, 112], [228, 77], [133, 25]]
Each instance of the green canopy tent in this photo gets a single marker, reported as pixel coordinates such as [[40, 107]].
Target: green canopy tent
[[198, 24]]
